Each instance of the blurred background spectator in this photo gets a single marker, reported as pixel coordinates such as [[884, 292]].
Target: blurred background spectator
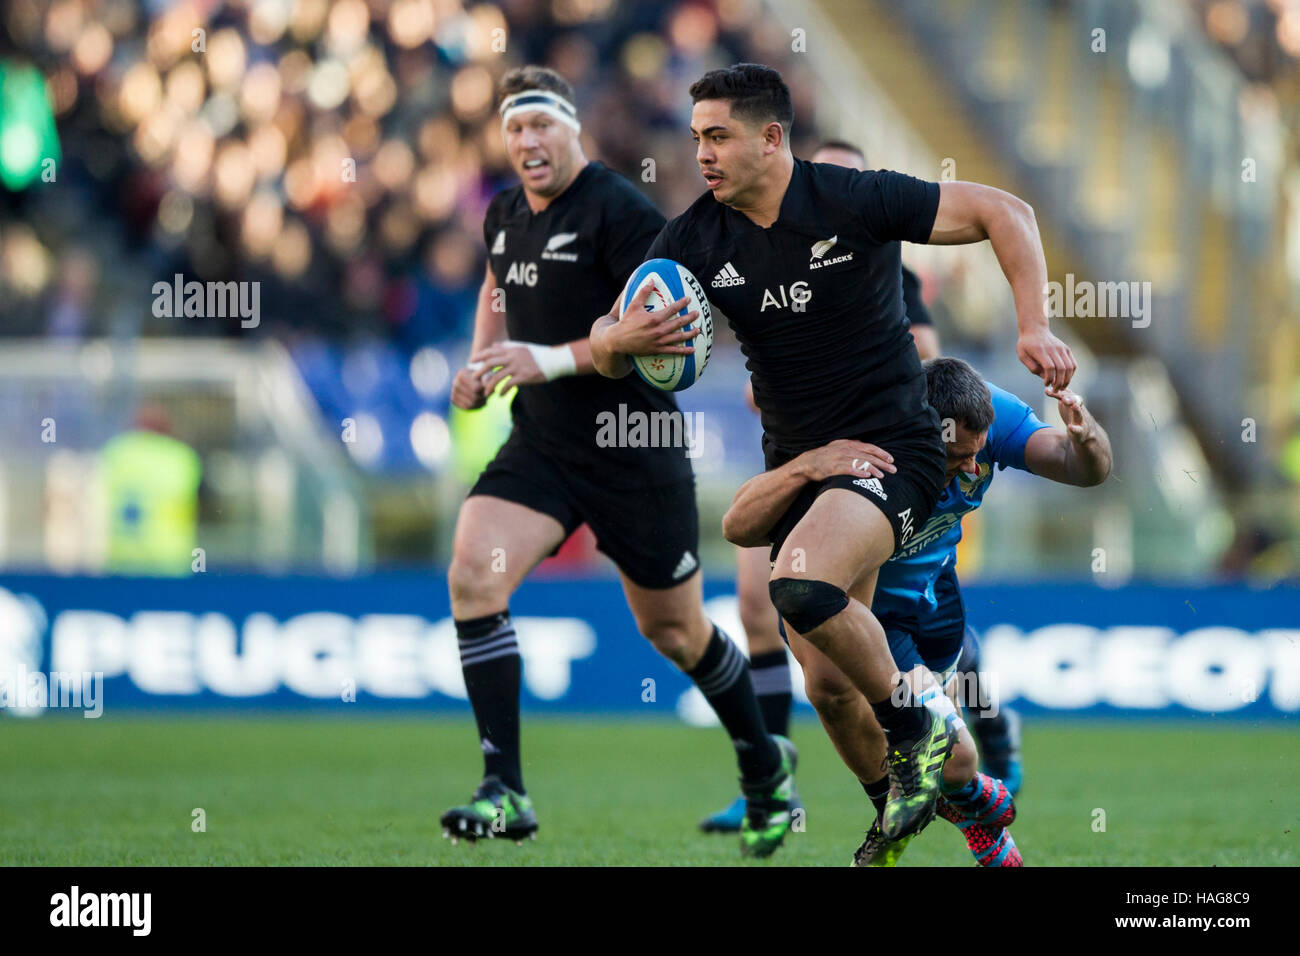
[[341, 155]]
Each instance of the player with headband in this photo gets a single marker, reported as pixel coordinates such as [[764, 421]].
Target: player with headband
[[561, 245]]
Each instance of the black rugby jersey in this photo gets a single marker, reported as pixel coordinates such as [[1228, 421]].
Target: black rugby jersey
[[816, 300], [560, 269]]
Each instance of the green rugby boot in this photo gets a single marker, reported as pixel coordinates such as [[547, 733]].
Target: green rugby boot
[[915, 769], [878, 850], [770, 805], [494, 811]]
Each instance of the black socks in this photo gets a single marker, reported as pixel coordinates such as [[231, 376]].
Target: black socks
[[901, 716], [770, 674], [878, 794], [489, 659], [722, 675]]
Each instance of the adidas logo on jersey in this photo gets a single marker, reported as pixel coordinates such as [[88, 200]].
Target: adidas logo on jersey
[[685, 566], [874, 486], [499, 244], [727, 276], [818, 259], [488, 747], [557, 241]]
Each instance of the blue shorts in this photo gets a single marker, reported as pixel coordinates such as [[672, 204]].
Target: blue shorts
[[921, 634], [908, 656]]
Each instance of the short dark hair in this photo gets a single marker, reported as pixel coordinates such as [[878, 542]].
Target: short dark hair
[[843, 144], [756, 93], [956, 391], [533, 77]]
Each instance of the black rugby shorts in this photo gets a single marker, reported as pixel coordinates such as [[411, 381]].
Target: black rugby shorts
[[651, 533], [906, 497]]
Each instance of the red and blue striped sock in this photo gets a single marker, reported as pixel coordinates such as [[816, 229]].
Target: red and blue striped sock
[[991, 846], [984, 800]]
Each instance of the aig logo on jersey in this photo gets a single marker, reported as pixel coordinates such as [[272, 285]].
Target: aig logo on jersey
[[522, 273], [796, 296], [820, 250], [557, 242]]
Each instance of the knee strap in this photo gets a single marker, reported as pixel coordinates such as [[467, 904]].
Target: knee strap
[[807, 605]]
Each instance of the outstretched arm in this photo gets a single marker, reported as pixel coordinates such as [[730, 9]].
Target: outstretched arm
[[1080, 455], [970, 212]]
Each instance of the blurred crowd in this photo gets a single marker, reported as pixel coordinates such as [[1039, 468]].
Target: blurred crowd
[[1261, 36], [340, 153]]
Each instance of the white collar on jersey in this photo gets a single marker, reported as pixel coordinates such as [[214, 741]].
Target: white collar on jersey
[[553, 104]]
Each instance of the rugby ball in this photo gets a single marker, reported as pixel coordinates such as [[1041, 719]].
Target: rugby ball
[[670, 281]]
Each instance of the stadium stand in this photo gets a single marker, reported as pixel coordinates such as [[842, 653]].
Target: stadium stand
[[341, 155]]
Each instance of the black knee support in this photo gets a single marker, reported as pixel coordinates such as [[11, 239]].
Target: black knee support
[[807, 605]]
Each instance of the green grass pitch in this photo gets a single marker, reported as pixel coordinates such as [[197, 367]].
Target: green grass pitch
[[325, 791]]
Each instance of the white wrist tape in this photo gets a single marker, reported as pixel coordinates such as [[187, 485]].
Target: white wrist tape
[[553, 361]]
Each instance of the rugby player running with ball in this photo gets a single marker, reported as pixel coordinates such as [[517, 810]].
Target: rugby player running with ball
[[804, 261], [769, 665], [995, 727]]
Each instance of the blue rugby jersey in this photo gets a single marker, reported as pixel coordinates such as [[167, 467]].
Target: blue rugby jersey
[[906, 585]]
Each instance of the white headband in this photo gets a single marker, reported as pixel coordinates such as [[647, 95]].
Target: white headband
[[544, 101]]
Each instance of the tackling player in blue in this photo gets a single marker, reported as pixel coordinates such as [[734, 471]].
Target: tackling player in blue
[[918, 600]]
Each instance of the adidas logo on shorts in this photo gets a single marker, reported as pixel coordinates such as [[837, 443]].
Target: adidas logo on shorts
[[727, 276], [874, 486], [685, 566]]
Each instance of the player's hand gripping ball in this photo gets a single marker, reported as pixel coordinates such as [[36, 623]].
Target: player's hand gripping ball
[[670, 281]]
